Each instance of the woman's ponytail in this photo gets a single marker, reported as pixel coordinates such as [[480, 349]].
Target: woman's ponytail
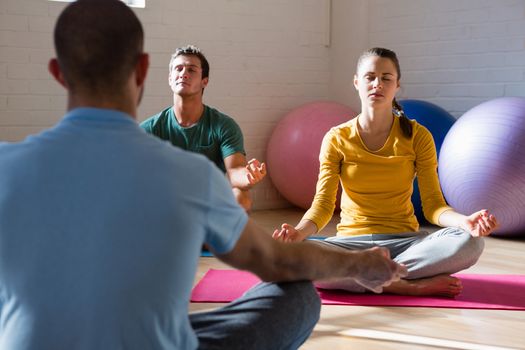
[[405, 124]]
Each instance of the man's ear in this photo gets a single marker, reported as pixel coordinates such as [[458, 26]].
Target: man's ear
[[141, 69], [170, 75], [54, 69], [205, 82], [356, 82]]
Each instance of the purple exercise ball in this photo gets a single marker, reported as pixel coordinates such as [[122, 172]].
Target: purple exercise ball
[[438, 121], [482, 163], [292, 155]]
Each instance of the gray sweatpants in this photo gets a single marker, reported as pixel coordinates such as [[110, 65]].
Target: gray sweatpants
[[446, 251]]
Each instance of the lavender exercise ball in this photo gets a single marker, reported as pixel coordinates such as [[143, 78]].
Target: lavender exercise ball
[[438, 121], [482, 163]]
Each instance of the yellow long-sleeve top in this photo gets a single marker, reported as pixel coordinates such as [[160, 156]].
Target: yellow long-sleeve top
[[377, 185]]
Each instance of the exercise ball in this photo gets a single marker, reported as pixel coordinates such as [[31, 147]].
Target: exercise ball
[[438, 121], [482, 163], [292, 155]]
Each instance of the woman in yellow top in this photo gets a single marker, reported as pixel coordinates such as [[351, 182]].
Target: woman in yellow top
[[375, 157]]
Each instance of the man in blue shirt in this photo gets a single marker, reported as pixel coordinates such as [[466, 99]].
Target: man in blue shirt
[[100, 240]]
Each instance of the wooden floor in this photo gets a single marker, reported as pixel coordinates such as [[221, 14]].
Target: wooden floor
[[445, 328]]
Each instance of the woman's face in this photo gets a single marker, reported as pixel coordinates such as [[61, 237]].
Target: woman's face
[[376, 81]]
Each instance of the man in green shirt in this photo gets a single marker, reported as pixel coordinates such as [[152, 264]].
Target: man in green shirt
[[193, 126]]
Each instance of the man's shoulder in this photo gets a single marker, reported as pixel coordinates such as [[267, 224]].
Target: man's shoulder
[[160, 117], [6, 150], [217, 115], [219, 119], [31, 145]]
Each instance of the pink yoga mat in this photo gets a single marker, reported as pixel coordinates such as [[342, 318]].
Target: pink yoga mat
[[502, 292]]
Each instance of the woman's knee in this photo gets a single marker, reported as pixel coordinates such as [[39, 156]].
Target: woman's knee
[[473, 244], [470, 247]]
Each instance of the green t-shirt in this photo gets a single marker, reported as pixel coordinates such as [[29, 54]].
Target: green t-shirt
[[216, 135]]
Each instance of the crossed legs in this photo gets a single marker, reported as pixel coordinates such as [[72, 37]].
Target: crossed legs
[[268, 316], [429, 258]]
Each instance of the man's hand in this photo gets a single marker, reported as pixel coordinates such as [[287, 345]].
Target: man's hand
[[376, 270], [256, 171]]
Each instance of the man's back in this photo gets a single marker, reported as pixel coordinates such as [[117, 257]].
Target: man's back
[[96, 246]]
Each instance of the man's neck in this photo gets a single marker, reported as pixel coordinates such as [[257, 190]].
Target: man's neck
[[188, 111], [121, 105]]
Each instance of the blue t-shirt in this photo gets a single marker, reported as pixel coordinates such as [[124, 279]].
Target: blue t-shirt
[[215, 135], [101, 227]]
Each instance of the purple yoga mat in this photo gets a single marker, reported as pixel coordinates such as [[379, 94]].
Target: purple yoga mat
[[501, 292]]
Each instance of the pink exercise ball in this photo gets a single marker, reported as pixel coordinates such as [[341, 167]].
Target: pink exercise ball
[[293, 150], [482, 163]]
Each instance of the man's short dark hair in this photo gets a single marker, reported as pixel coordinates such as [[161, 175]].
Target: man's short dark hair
[[98, 43], [191, 50]]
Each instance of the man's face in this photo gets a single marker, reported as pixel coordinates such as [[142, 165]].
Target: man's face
[[185, 77]]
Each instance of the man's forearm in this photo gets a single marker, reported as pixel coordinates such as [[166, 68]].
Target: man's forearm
[[275, 261], [239, 178], [312, 260]]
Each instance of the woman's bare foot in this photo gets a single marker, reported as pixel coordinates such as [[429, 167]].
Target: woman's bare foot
[[441, 285]]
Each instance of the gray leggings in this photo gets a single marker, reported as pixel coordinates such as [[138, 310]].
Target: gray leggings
[[446, 251]]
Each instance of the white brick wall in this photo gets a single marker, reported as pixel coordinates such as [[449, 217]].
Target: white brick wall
[[456, 53], [266, 57], [270, 56]]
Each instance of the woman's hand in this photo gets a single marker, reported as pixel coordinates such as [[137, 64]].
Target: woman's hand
[[288, 233], [480, 223]]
